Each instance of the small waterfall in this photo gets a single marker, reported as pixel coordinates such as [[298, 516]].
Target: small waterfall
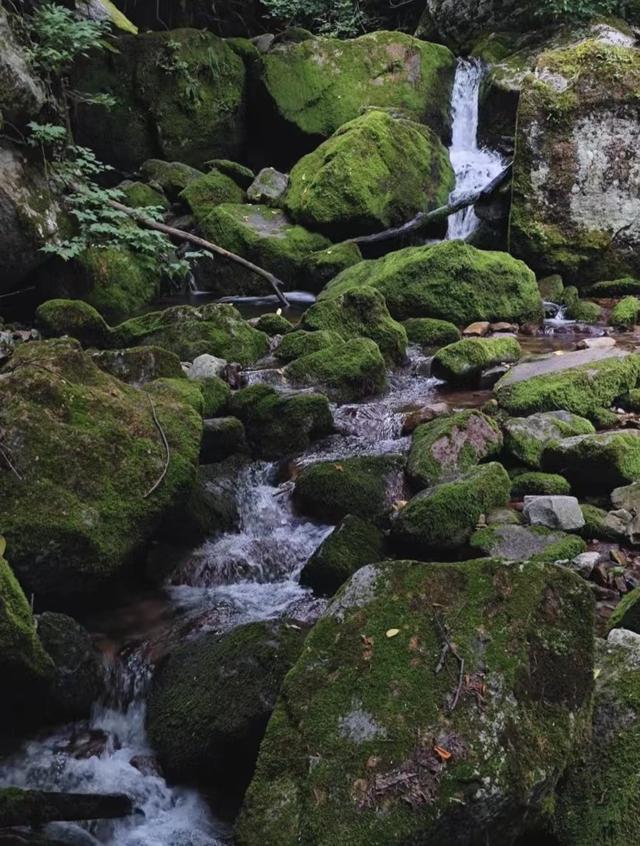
[[474, 166]]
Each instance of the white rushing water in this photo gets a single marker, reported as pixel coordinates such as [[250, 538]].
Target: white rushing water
[[474, 166]]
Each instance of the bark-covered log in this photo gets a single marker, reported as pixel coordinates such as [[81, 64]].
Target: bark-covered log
[[36, 807]]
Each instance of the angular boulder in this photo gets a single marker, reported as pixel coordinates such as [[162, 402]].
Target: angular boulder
[[22, 94], [464, 362], [597, 462], [525, 438], [526, 543], [553, 511]]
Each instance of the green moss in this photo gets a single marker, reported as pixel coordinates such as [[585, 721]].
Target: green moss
[[88, 450], [533, 483], [351, 545], [377, 171], [627, 613], [599, 462], [296, 344], [577, 309], [347, 372], [273, 324], [241, 175], [525, 438], [605, 418], [75, 318], [631, 400], [625, 313], [138, 365], [361, 313], [281, 424], [451, 445], [364, 786], [365, 487], [551, 288], [580, 390], [325, 265], [463, 362], [208, 191], [597, 526], [443, 517], [615, 287], [171, 177], [527, 543], [429, 333], [139, 195], [450, 281]]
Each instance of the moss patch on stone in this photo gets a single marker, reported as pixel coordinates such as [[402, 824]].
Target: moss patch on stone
[[525, 438], [208, 191], [428, 332], [532, 483], [462, 363], [625, 313], [299, 343]]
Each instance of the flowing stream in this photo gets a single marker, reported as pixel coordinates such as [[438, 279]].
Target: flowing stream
[[475, 167]]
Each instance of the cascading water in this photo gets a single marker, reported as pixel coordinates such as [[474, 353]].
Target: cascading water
[[475, 167]]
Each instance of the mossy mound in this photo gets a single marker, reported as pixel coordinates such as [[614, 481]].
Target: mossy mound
[[266, 237], [352, 544], [526, 543], [532, 483], [600, 525], [171, 177], [139, 195], [444, 516], [222, 437], [241, 174], [279, 424], [428, 332], [359, 314], [451, 445], [88, 451], [401, 754], [377, 171], [578, 309], [607, 766], [315, 86], [581, 390], [208, 191], [74, 318], [296, 344], [615, 287], [450, 281], [599, 462], [625, 313], [139, 365], [180, 96], [347, 372], [525, 438], [211, 699], [273, 324], [365, 487], [324, 265], [627, 613], [462, 363]]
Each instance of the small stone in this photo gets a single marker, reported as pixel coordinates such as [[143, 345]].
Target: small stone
[[504, 327], [269, 187], [489, 377], [596, 343], [554, 512], [624, 637], [206, 367], [424, 415], [584, 563], [478, 329]]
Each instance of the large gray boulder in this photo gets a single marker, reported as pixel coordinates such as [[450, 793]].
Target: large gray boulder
[[22, 95]]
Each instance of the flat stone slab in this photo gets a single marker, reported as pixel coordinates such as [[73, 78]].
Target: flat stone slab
[[554, 512], [520, 543], [557, 363]]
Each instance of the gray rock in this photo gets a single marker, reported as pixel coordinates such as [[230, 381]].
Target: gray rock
[[516, 543], [604, 342], [626, 508], [206, 367], [269, 187], [545, 365], [584, 563], [22, 96], [221, 438], [628, 639], [526, 437], [554, 512]]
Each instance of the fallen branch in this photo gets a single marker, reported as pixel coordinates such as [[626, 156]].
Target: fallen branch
[[4, 455], [167, 449], [179, 235], [423, 219]]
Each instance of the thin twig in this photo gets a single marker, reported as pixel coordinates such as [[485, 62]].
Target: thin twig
[[5, 456], [456, 697], [166, 447]]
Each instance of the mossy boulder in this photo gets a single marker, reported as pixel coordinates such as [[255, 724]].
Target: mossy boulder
[[601, 525], [359, 314], [627, 613], [347, 371], [400, 753], [525, 438], [533, 483], [575, 210], [170, 177], [273, 324], [625, 286], [449, 446], [463, 363], [324, 265], [526, 543], [75, 318], [428, 332], [180, 96], [451, 281], [365, 487], [352, 544], [579, 309], [241, 174], [139, 365], [625, 314], [313, 87], [208, 191], [376, 172], [279, 424], [296, 344], [607, 766], [88, 452], [266, 237], [139, 195], [79, 678], [597, 462], [222, 437], [444, 516], [581, 382], [211, 700]]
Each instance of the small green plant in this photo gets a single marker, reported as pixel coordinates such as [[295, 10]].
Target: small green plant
[[342, 18]]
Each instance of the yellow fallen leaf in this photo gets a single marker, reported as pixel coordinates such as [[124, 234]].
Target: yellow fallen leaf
[[596, 672], [393, 632], [3, 545]]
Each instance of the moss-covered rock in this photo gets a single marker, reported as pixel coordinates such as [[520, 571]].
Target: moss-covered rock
[[443, 517], [180, 95], [627, 613], [171, 177], [526, 437], [607, 766], [352, 544], [597, 462], [429, 332], [312, 88], [366, 487], [450, 281], [241, 174], [463, 362], [208, 191], [88, 450], [139, 365], [296, 344], [279, 424], [625, 313], [628, 285], [377, 171], [400, 753], [551, 288], [601, 525], [347, 371], [266, 237], [566, 383], [324, 265], [79, 680], [451, 445], [526, 543], [139, 195], [211, 699], [273, 324], [575, 210], [532, 483], [269, 187], [359, 314], [222, 437], [74, 318], [579, 309]]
